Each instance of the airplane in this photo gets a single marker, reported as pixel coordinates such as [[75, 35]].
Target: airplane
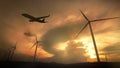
[[35, 19]]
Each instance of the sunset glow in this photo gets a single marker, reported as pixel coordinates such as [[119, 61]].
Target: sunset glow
[[60, 38], [88, 46]]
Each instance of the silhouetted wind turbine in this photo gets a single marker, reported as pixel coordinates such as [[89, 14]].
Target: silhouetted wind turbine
[[11, 52], [106, 58], [35, 44], [92, 34]]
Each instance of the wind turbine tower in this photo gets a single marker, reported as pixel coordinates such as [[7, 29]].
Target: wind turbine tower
[[11, 52]]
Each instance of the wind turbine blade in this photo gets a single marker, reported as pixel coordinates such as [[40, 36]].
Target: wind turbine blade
[[40, 41], [84, 16], [36, 38], [15, 45], [34, 44], [104, 19], [82, 30]]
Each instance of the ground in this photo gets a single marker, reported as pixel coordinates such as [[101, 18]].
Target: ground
[[56, 65]]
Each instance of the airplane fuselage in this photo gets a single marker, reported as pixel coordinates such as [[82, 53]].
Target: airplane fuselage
[[37, 20]]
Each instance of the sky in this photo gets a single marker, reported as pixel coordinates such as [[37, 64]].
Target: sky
[[57, 35]]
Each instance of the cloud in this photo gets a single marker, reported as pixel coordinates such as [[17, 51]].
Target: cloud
[[28, 34], [113, 48], [112, 52], [58, 34], [75, 52], [62, 34]]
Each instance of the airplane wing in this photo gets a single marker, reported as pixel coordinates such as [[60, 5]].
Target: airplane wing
[[28, 16], [43, 17]]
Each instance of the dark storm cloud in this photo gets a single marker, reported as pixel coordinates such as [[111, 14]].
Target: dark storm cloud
[[72, 54], [75, 54], [105, 30], [59, 34], [113, 49]]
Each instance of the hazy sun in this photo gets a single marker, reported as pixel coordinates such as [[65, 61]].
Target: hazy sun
[[87, 45]]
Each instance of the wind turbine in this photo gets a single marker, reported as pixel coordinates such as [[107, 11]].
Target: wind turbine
[[11, 52], [106, 57], [91, 30], [35, 44]]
